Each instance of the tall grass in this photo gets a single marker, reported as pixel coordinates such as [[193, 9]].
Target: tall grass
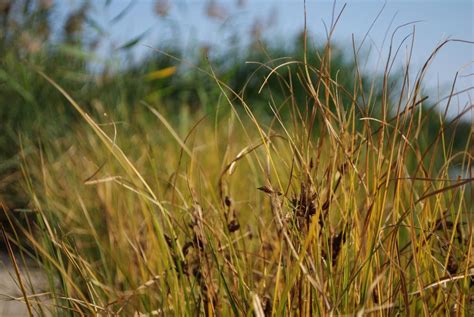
[[345, 206]]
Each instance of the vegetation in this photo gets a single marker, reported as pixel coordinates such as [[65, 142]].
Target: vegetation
[[294, 186]]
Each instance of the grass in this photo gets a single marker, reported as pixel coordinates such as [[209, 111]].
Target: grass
[[341, 202]]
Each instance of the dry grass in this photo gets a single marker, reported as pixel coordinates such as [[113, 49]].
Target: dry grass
[[331, 211]]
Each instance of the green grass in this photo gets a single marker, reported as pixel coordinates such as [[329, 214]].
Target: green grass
[[327, 194]]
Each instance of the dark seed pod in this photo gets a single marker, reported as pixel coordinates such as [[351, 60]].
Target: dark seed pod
[[198, 243], [186, 247], [233, 225], [326, 205], [227, 201], [336, 244], [269, 190], [267, 305], [343, 168], [180, 264], [197, 273], [265, 189], [375, 296], [452, 267]]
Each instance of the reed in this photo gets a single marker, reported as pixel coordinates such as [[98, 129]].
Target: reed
[[341, 202]]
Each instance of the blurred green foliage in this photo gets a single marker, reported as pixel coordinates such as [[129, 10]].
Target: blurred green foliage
[[32, 108]]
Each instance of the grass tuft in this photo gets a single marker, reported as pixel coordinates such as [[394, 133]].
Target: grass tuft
[[340, 202]]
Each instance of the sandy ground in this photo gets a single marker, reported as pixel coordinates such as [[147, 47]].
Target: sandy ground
[[11, 301]]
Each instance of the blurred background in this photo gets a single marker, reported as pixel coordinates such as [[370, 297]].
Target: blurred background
[[233, 24], [113, 55]]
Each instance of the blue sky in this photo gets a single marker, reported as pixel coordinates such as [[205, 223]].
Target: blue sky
[[188, 25]]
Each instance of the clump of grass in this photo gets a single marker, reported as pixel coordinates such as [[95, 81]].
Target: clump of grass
[[330, 211]]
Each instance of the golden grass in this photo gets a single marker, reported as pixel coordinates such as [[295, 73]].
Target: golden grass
[[331, 211]]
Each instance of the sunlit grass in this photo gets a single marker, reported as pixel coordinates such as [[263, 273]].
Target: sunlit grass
[[321, 209]]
